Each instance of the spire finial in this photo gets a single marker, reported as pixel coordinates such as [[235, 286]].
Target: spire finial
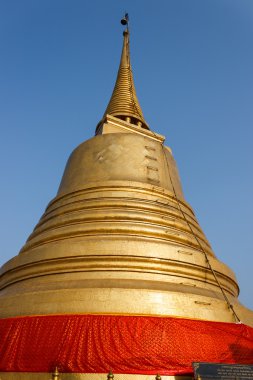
[[124, 103], [125, 20]]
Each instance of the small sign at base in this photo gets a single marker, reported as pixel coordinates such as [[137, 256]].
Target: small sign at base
[[212, 371]]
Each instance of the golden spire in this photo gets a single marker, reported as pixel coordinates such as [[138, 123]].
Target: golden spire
[[124, 103]]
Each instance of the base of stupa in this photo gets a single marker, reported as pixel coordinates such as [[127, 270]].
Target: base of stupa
[[129, 346], [81, 376]]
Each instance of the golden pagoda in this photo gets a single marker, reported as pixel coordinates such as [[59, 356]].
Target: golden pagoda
[[118, 274]]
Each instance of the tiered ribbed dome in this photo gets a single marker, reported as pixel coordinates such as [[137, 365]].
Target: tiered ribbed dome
[[120, 226]]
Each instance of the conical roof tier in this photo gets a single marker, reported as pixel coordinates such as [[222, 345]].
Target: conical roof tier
[[118, 273], [124, 103]]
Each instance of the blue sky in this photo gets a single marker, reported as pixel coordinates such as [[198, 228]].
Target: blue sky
[[192, 63]]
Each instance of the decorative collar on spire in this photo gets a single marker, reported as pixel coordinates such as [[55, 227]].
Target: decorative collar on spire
[[124, 103]]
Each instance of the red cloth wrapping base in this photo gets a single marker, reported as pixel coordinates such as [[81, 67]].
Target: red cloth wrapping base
[[123, 344]]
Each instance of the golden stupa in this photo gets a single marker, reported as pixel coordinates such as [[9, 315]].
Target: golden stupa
[[119, 238]]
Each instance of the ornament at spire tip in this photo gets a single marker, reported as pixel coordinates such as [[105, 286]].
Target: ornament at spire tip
[[125, 19]]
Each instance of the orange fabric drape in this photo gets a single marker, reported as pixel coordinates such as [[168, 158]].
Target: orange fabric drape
[[124, 344]]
